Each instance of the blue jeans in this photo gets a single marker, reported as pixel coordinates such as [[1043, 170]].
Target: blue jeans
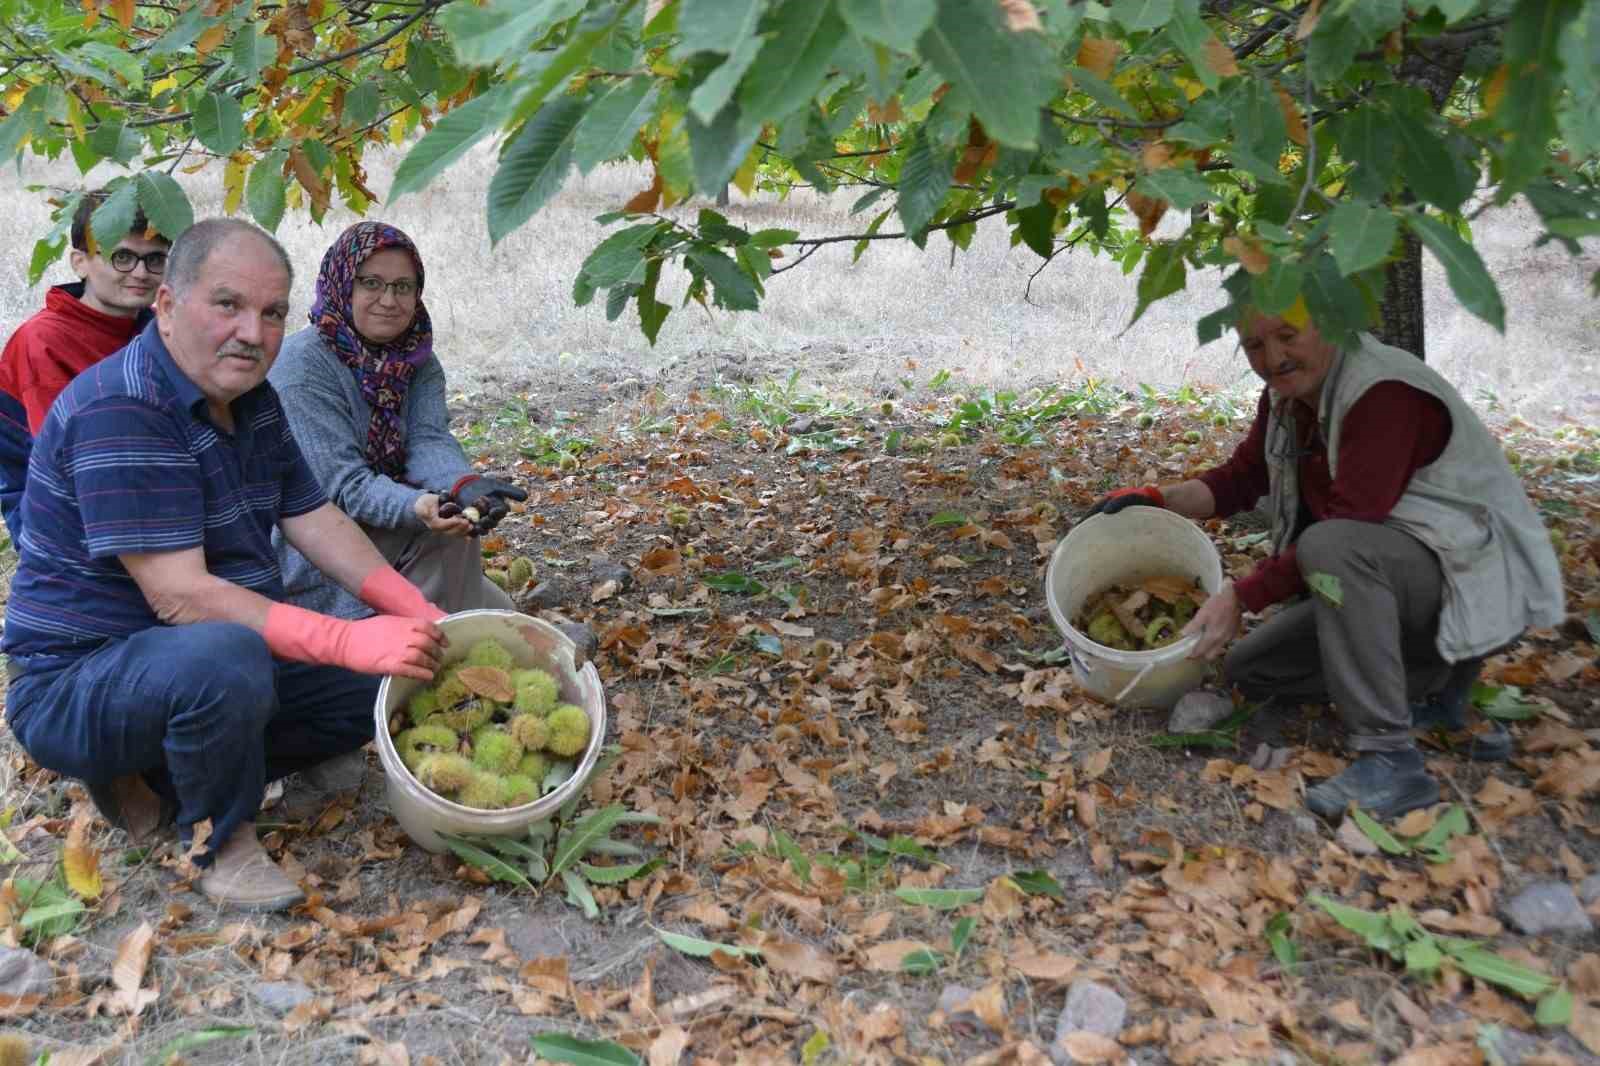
[[203, 711]]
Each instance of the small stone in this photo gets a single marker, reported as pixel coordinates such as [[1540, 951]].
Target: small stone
[[1589, 889], [1353, 840], [1267, 757], [602, 569], [1548, 907], [583, 635], [551, 592], [24, 977], [281, 997], [953, 1002], [1307, 825], [1198, 711], [1091, 1008]]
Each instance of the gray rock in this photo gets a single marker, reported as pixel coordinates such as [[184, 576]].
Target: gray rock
[[1589, 889], [953, 1001], [1198, 711], [1267, 757], [1307, 825], [23, 975], [583, 635], [799, 427], [1548, 907], [1091, 1007], [551, 592], [281, 997], [602, 569]]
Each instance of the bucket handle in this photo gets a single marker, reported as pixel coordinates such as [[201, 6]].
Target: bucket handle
[[1144, 673]]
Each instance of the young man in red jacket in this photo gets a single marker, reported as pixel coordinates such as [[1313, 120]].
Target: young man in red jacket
[[80, 325]]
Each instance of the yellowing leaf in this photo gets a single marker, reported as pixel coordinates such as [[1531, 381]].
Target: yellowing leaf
[[233, 179], [1098, 56], [208, 41], [1219, 57], [1298, 314], [1495, 89], [166, 84], [1249, 254], [80, 862]]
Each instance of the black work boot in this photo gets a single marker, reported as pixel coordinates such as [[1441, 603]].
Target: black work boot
[[1382, 783], [1446, 712]]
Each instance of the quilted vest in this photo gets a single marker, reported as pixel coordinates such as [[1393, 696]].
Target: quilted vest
[[1500, 573]]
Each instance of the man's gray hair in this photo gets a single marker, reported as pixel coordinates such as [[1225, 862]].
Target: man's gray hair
[[195, 245]]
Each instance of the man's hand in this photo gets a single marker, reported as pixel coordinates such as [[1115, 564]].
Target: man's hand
[[488, 497], [441, 516], [389, 644], [1144, 495], [1217, 622], [382, 644]]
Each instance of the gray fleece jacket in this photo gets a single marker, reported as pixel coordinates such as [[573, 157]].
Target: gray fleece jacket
[[329, 418]]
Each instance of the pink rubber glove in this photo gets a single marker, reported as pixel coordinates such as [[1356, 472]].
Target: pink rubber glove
[[382, 644], [387, 592]]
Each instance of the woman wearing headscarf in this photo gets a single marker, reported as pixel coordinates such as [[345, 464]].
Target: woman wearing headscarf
[[365, 398]]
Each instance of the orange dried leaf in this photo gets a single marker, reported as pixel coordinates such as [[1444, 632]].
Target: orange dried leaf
[[646, 201], [1308, 21], [798, 959], [1092, 1049], [1292, 119], [208, 41], [1249, 254], [1098, 55], [1220, 58], [80, 862], [123, 9], [490, 682], [1147, 209], [1494, 91]]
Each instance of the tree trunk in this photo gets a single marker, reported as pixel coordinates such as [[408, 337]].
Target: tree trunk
[[1436, 73], [1402, 325]]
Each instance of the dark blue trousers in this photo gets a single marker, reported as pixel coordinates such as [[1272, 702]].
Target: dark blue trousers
[[203, 711]]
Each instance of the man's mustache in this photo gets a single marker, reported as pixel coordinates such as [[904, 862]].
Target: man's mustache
[[243, 351]]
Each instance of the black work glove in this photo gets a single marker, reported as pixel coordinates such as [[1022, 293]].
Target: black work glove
[[1144, 496], [489, 497]]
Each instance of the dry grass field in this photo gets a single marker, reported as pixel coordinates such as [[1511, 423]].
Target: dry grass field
[[504, 316]]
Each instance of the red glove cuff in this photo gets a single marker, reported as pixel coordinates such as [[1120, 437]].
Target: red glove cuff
[[387, 591], [1149, 492], [305, 636], [462, 482]]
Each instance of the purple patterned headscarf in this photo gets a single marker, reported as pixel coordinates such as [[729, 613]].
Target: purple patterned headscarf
[[383, 370]]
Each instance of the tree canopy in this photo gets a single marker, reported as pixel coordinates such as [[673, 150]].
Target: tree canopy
[[1306, 142]]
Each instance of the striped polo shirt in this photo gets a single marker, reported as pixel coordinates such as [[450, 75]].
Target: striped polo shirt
[[128, 461]]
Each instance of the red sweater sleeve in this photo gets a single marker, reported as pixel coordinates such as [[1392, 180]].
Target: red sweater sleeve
[[1388, 435], [1237, 484]]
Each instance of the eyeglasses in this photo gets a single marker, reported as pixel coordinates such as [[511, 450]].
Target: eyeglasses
[[371, 284], [123, 260]]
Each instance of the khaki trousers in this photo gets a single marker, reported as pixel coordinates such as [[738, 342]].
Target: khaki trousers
[[1372, 655], [448, 570]]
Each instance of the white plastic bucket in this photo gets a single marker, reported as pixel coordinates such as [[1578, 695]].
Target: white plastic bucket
[[1134, 544], [532, 643]]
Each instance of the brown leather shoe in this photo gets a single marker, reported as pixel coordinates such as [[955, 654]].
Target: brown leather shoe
[[241, 875], [130, 804]]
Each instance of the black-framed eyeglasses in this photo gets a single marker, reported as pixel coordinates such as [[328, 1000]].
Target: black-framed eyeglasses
[[372, 285], [123, 260]]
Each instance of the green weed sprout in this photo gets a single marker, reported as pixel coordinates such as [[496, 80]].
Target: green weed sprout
[[537, 691], [569, 730], [495, 750], [418, 742], [490, 652], [445, 772], [532, 731]]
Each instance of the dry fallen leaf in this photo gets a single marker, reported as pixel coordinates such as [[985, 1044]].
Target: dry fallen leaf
[[1097, 764], [1092, 1049], [490, 682], [80, 862], [799, 959], [1098, 55], [668, 1046]]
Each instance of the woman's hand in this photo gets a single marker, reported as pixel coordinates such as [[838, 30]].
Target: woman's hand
[[427, 509], [1217, 622]]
